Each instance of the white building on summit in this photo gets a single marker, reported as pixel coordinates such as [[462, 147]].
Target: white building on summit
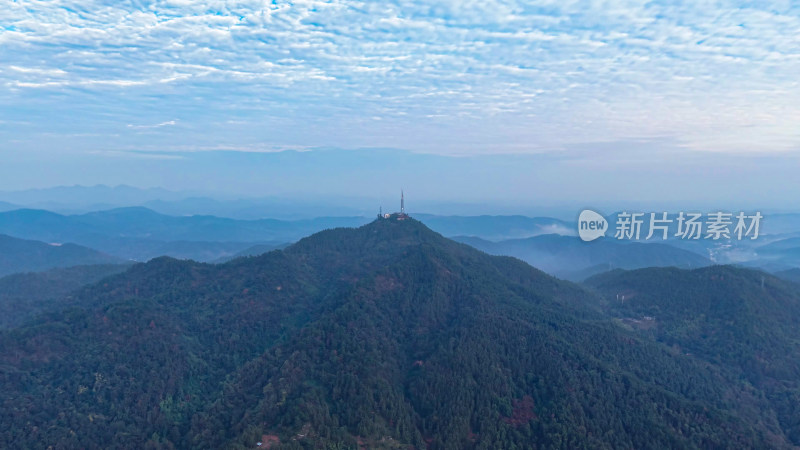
[[398, 215]]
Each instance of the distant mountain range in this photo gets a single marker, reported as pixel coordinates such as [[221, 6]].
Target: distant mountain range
[[570, 258], [496, 227], [140, 234], [392, 336], [88, 197], [4, 206], [83, 199], [143, 223], [22, 255], [780, 253], [792, 275]]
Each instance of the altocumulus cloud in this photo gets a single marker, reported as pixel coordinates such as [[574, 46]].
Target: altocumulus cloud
[[455, 76]]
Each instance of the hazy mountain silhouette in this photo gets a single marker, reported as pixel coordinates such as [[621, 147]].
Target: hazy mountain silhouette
[[22, 255], [570, 258]]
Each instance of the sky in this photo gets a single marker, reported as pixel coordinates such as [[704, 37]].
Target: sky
[[583, 96]]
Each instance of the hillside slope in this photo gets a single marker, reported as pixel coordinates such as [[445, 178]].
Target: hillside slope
[[23, 295], [740, 319], [385, 336], [21, 255]]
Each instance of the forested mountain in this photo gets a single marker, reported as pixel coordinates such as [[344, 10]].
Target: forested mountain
[[385, 336], [792, 275], [24, 294], [21, 255], [780, 253], [255, 250], [570, 258], [740, 319]]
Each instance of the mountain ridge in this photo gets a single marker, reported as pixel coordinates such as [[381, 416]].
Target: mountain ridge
[[379, 335], [26, 255], [735, 317], [570, 258]]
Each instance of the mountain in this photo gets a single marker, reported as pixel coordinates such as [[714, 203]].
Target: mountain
[[292, 205], [142, 223], [82, 197], [782, 253], [792, 275], [496, 227], [782, 223], [730, 250], [570, 258], [738, 318], [22, 295], [139, 249], [140, 234], [20, 255], [781, 244], [255, 250], [5, 206], [385, 336], [258, 208]]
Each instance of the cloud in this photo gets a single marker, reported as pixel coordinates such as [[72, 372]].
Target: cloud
[[447, 76], [158, 125], [37, 71], [136, 155]]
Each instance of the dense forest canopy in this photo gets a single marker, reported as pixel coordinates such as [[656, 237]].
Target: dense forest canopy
[[391, 336]]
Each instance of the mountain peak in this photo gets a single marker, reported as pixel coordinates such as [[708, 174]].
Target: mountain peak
[[376, 234], [359, 335]]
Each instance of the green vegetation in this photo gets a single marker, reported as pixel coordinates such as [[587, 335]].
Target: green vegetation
[[386, 336], [22, 295], [20, 255], [742, 320]]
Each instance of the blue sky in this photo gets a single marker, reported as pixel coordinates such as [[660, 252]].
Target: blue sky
[[97, 85]]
